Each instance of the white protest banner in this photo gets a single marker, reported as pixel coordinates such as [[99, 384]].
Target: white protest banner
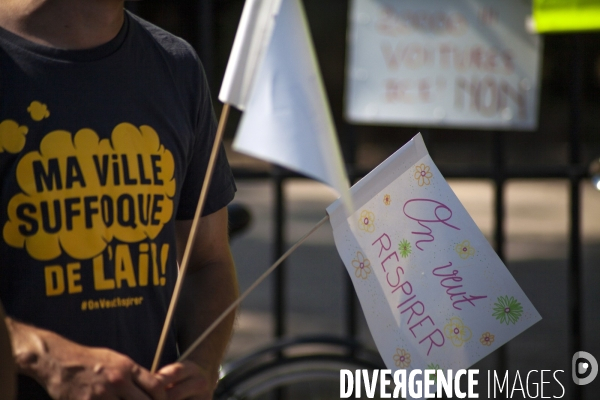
[[451, 63], [433, 291]]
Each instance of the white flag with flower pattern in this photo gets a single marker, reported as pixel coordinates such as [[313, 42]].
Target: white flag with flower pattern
[[435, 294]]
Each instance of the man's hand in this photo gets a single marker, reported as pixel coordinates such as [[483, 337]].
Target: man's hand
[[187, 381], [69, 371], [102, 374]]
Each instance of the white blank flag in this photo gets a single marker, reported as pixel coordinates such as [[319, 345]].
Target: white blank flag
[[251, 40], [287, 119]]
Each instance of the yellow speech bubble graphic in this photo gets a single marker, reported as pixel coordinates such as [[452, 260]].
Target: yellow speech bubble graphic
[[12, 136], [79, 192], [38, 111]]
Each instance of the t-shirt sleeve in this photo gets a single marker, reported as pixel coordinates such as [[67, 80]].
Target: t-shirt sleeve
[[222, 188]]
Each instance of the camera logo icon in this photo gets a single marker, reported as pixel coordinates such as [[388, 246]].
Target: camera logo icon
[[584, 368]]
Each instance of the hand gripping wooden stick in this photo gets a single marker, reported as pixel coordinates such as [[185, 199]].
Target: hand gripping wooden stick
[[236, 303], [188, 248]]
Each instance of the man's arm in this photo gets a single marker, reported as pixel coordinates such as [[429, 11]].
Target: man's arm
[[210, 286], [68, 370]]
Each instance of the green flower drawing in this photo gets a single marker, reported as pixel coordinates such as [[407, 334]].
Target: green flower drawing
[[404, 248], [507, 310], [436, 367]]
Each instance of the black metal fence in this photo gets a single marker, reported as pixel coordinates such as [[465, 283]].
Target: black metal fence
[[497, 171]]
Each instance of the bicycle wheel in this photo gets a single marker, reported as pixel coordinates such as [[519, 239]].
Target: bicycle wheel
[[279, 372]]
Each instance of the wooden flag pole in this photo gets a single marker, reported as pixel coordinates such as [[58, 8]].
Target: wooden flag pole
[[188, 248], [236, 303]]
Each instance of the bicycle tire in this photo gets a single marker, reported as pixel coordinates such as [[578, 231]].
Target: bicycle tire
[[292, 371], [314, 376]]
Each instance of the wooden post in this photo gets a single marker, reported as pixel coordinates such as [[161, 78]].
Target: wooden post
[[188, 248]]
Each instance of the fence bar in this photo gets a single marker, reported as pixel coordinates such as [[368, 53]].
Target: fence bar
[[279, 306], [349, 148], [498, 168], [205, 37], [578, 172], [575, 289]]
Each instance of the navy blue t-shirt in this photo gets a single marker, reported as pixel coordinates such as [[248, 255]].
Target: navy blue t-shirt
[[100, 151]]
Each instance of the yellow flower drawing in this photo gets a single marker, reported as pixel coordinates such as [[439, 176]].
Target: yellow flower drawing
[[423, 175], [464, 249], [367, 221], [487, 339], [457, 332], [402, 358], [362, 266], [387, 199]]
